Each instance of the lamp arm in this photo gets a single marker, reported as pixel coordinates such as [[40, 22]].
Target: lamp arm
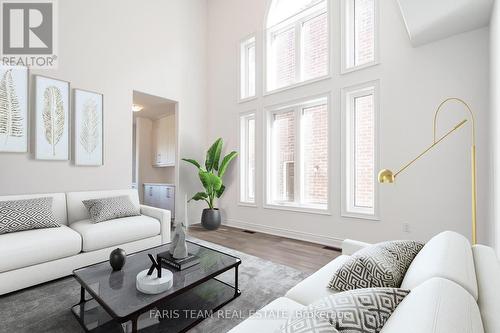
[[430, 147], [473, 129]]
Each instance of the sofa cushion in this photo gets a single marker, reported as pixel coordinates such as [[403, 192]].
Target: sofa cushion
[[270, 318], [447, 255], [360, 310], [96, 236], [436, 306], [378, 265], [488, 282], [77, 210], [58, 203], [31, 247], [315, 287], [26, 214], [105, 209]]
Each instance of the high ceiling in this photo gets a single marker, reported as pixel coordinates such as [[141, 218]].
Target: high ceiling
[[431, 20]]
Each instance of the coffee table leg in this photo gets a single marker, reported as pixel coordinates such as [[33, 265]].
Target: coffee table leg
[[236, 292], [134, 325], [82, 295]]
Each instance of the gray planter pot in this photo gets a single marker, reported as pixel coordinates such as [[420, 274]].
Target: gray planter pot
[[210, 219]]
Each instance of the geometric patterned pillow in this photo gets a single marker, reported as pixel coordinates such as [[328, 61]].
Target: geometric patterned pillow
[[380, 265], [105, 209], [28, 214], [360, 311]]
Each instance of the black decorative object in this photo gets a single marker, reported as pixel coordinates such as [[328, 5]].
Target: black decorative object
[[166, 259], [155, 266], [117, 259], [210, 219]]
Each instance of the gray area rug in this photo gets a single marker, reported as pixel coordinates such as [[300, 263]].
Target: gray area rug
[[46, 308]]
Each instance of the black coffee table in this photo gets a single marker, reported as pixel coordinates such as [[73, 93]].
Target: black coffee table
[[117, 306]]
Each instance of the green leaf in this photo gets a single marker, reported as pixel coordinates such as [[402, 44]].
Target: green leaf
[[213, 155], [225, 163], [193, 162], [205, 181], [217, 153], [220, 191], [199, 196], [211, 182]]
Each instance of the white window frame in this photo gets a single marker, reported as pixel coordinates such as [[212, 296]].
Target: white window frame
[[349, 94], [347, 37], [297, 21], [296, 107], [243, 160], [243, 69]]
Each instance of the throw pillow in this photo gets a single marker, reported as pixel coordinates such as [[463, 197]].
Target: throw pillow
[[380, 265], [355, 311], [28, 214], [105, 209]]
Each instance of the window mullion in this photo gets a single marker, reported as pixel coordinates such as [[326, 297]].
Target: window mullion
[[298, 179]]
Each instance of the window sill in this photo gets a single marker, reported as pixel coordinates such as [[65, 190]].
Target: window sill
[[297, 85], [247, 204], [345, 70], [299, 209], [361, 216], [247, 99]]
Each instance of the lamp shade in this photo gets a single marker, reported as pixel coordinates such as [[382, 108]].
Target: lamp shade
[[386, 176]]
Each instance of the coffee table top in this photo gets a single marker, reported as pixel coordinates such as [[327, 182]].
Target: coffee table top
[[117, 293]]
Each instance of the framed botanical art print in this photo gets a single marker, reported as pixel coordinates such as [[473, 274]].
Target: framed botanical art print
[[52, 118], [14, 109], [89, 136]]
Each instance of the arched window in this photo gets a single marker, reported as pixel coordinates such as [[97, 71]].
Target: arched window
[[297, 42]]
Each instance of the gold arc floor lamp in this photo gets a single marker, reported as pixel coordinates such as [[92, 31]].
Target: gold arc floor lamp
[[387, 176]]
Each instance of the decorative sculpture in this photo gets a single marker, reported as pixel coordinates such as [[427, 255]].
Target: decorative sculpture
[[117, 259], [147, 283], [178, 247]]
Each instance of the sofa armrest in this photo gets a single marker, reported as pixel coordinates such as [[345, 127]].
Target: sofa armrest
[[162, 215], [349, 246]]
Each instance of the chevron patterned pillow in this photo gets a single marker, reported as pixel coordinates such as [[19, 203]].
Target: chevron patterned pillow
[[355, 311], [28, 214], [105, 209], [379, 265]]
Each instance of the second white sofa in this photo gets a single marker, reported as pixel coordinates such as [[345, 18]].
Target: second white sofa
[[31, 257], [455, 288]]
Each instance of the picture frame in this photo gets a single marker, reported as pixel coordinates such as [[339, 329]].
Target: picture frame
[[52, 118], [14, 115], [88, 141]]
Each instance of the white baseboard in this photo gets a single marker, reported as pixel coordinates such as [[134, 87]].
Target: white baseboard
[[299, 235]]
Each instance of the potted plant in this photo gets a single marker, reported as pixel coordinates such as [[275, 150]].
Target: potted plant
[[211, 179]]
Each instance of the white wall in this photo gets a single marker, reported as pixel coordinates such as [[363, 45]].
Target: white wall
[[115, 47], [433, 195], [495, 123]]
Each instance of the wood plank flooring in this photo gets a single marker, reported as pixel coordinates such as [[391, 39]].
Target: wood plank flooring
[[304, 256]]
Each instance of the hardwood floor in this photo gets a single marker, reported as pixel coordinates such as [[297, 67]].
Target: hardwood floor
[[304, 256]]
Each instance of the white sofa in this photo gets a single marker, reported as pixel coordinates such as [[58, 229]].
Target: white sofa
[[455, 288], [31, 257]]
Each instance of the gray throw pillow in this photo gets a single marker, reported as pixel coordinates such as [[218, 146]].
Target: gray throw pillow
[[380, 265], [355, 311], [105, 209], [28, 214]]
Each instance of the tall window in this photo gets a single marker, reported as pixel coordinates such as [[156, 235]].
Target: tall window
[[359, 42], [297, 162], [247, 158], [247, 68], [297, 42], [361, 154]]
